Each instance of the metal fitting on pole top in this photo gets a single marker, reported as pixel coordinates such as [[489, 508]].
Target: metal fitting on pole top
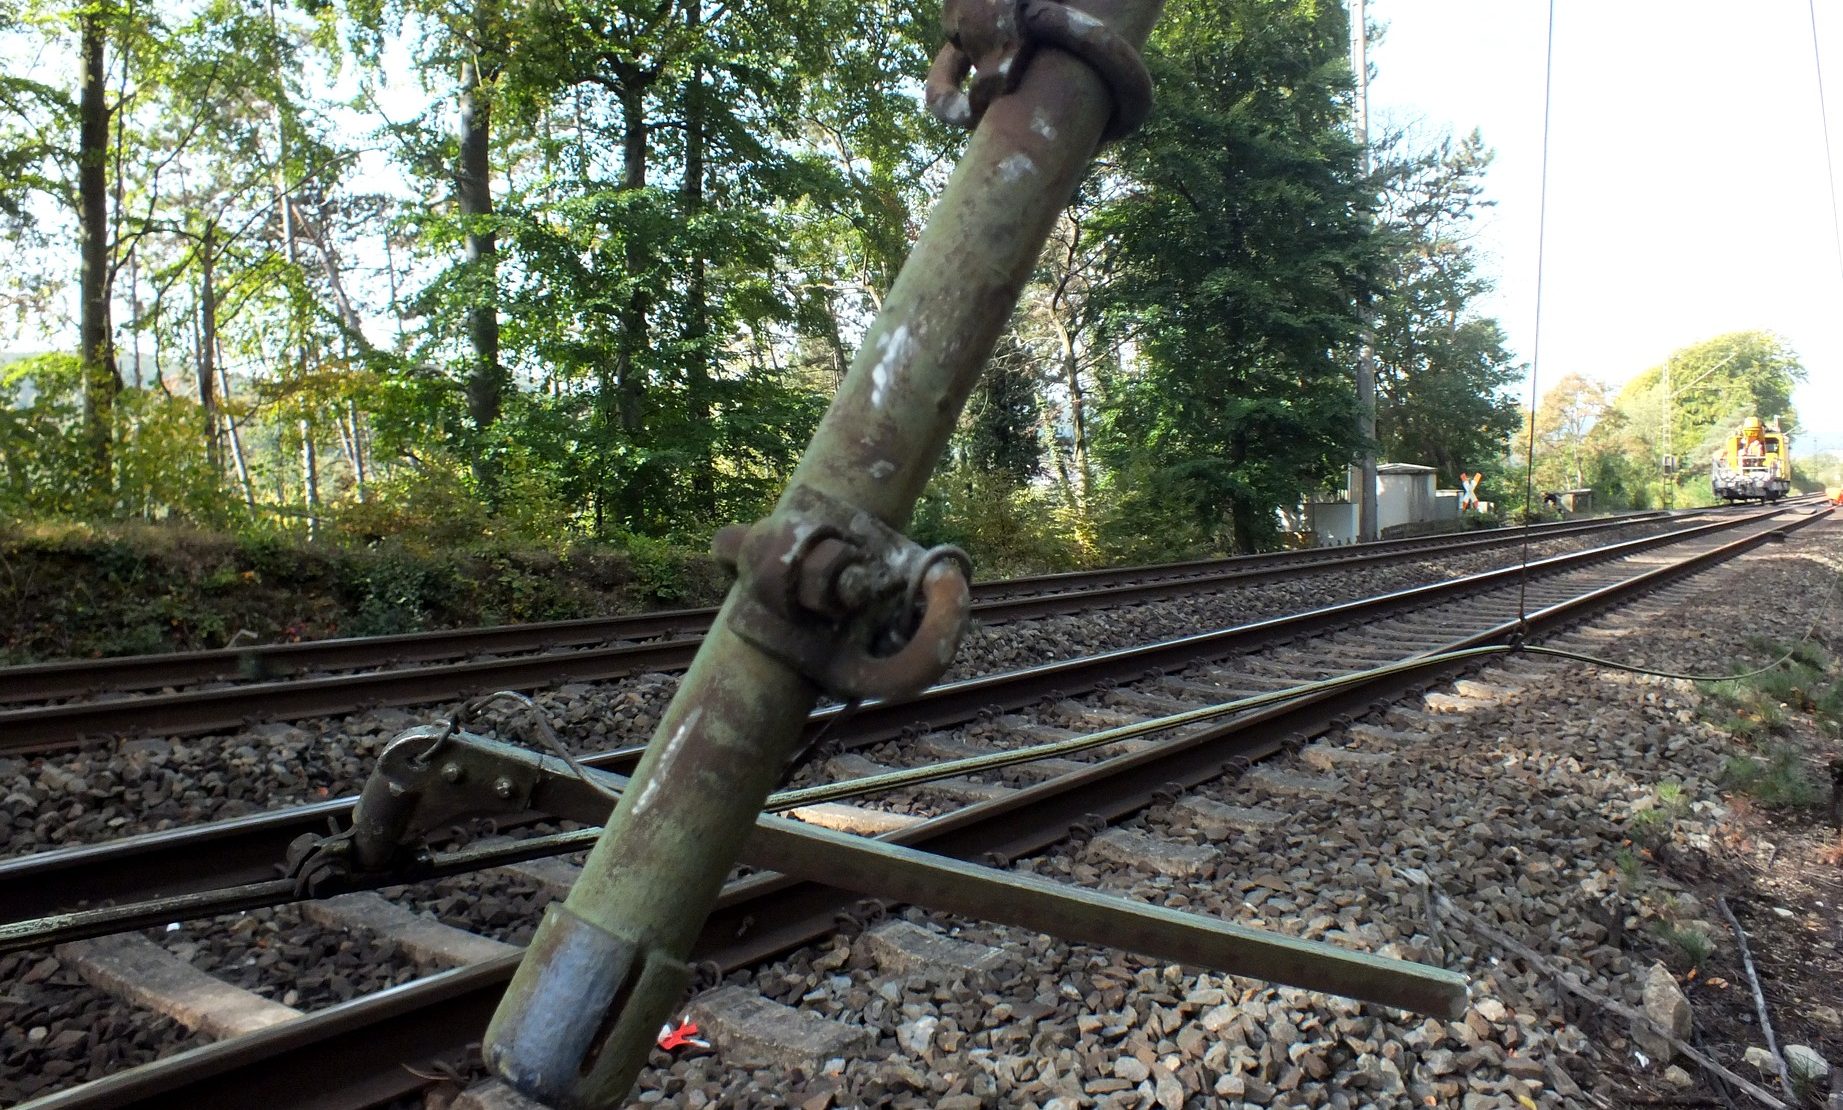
[[849, 602], [993, 40]]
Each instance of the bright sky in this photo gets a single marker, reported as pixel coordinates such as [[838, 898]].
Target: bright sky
[[1687, 190]]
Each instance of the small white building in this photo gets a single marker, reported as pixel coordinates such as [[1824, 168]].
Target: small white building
[[1405, 495]]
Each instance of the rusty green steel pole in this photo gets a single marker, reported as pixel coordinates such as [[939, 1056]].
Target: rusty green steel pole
[[607, 968]]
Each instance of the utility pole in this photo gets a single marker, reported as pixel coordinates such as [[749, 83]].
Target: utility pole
[[1366, 357]]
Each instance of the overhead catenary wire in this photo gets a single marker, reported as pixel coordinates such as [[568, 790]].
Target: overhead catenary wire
[[1535, 354], [892, 780], [1823, 115]]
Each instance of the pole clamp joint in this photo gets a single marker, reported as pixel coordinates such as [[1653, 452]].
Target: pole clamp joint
[[993, 40], [848, 601]]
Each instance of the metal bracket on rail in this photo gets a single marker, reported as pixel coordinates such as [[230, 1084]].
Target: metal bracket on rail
[[427, 779], [845, 599]]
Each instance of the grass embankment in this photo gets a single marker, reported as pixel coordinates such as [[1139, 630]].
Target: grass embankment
[[80, 591]]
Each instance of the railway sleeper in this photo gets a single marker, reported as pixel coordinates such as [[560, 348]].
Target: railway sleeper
[[935, 746], [137, 970], [429, 942], [959, 789], [493, 1095], [1294, 783], [1479, 690], [552, 875], [1378, 734], [1330, 757], [1217, 820], [749, 1030], [906, 950], [1156, 854], [844, 817], [1031, 732]]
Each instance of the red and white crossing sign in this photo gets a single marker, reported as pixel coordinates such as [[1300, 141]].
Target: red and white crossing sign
[[1468, 497]]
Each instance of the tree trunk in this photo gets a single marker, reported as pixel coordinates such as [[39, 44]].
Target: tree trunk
[[1078, 417], [349, 318], [361, 469], [310, 478], [697, 310], [486, 380], [629, 377], [236, 442], [134, 311], [207, 349], [101, 378]]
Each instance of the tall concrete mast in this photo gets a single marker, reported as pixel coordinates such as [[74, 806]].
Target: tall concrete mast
[[1366, 360]]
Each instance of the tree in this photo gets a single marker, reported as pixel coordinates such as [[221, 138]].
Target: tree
[[102, 378], [1244, 250], [1441, 369], [1699, 396], [1566, 415]]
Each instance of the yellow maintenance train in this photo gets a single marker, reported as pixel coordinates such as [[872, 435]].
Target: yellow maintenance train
[[1753, 464]]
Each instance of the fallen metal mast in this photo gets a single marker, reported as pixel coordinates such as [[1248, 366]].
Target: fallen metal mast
[[830, 598], [826, 578]]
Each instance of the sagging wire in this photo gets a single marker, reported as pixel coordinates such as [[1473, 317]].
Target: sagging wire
[[545, 733], [782, 801], [877, 784], [1535, 354]]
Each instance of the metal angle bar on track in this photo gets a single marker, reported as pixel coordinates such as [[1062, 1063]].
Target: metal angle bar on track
[[1080, 916], [377, 1037], [169, 862]]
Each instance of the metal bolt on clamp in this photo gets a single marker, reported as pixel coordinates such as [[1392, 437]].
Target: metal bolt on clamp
[[853, 604], [994, 39]]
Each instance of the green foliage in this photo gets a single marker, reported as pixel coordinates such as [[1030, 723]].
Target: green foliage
[[1003, 415], [1692, 945], [1805, 680], [693, 211], [1243, 250], [1010, 529], [158, 470], [1652, 824], [1441, 371], [77, 590], [1779, 780]]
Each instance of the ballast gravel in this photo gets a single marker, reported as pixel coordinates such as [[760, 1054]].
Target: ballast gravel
[[1517, 809], [1068, 1026], [110, 789]]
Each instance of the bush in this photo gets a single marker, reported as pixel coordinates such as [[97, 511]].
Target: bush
[[1779, 781], [1008, 529]]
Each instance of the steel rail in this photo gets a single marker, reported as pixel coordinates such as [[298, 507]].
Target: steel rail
[[45, 728], [379, 1041], [994, 602], [245, 849]]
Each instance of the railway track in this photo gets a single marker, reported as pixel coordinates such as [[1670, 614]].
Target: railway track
[[1155, 692], [230, 689], [167, 863]]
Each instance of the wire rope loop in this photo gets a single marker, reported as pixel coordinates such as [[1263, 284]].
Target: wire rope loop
[[993, 41]]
